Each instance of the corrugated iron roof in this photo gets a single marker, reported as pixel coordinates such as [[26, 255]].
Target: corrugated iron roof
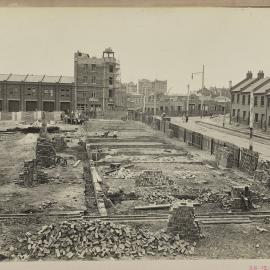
[[67, 79], [255, 85], [4, 77], [34, 78], [17, 78], [51, 79]]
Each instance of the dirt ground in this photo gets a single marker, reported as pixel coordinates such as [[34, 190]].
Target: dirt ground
[[191, 170]]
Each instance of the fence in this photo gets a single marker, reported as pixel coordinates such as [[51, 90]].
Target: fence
[[243, 159], [29, 116]]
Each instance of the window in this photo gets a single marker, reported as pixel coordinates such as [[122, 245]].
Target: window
[[65, 93], [255, 101], [85, 67], [243, 100], [244, 115], [94, 67], [110, 93], [262, 101], [232, 98], [93, 79], [85, 79], [256, 117], [111, 68], [93, 94], [248, 99], [238, 96], [268, 102], [110, 80]]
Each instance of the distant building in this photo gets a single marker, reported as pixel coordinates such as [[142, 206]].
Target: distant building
[[240, 110], [36, 93], [97, 81], [177, 105], [147, 87], [131, 88]]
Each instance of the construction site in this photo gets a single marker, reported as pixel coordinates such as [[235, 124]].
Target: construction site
[[138, 189]]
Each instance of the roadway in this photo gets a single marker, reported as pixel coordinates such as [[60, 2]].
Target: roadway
[[260, 145]]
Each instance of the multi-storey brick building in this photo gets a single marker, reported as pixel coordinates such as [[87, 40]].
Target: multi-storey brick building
[[36, 92], [147, 87], [240, 110], [96, 81]]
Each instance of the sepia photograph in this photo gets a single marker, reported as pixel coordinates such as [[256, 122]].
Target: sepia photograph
[[134, 134]]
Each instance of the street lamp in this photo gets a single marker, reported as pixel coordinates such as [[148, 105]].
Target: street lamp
[[202, 73]]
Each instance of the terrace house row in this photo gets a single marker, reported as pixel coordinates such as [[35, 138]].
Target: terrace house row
[[240, 109]]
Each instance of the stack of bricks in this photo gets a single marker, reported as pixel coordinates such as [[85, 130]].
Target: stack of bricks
[[224, 157], [27, 177], [32, 174], [182, 221], [151, 178], [59, 143], [45, 152]]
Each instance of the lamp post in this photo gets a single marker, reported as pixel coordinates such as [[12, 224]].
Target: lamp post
[[202, 73]]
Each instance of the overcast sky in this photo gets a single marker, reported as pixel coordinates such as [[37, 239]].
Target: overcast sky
[[167, 44]]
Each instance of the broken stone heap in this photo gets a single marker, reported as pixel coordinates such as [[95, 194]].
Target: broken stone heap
[[94, 239], [152, 178]]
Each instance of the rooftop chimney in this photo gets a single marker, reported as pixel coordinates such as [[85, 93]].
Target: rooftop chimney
[[260, 75], [249, 75]]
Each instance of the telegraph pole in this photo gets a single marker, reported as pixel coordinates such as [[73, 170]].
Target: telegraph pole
[[202, 73], [188, 101], [103, 92], [251, 113], [202, 92]]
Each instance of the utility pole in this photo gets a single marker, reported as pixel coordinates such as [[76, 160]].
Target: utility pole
[[202, 73], [75, 80], [188, 101], [230, 87], [251, 112], [155, 103], [202, 92], [103, 92], [266, 112]]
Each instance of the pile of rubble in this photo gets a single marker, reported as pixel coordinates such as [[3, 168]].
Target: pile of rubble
[[122, 173], [98, 239], [186, 175], [158, 198], [262, 173], [47, 204], [152, 178]]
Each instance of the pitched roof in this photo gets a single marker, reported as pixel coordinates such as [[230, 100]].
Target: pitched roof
[[36, 78], [255, 85], [243, 84], [67, 79], [17, 78], [263, 89]]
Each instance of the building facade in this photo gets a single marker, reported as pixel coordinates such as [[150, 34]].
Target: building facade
[[177, 105], [131, 88], [36, 93], [240, 110], [97, 81], [147, 87]]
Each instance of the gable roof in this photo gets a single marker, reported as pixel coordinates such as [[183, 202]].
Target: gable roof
[[243, 84]]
